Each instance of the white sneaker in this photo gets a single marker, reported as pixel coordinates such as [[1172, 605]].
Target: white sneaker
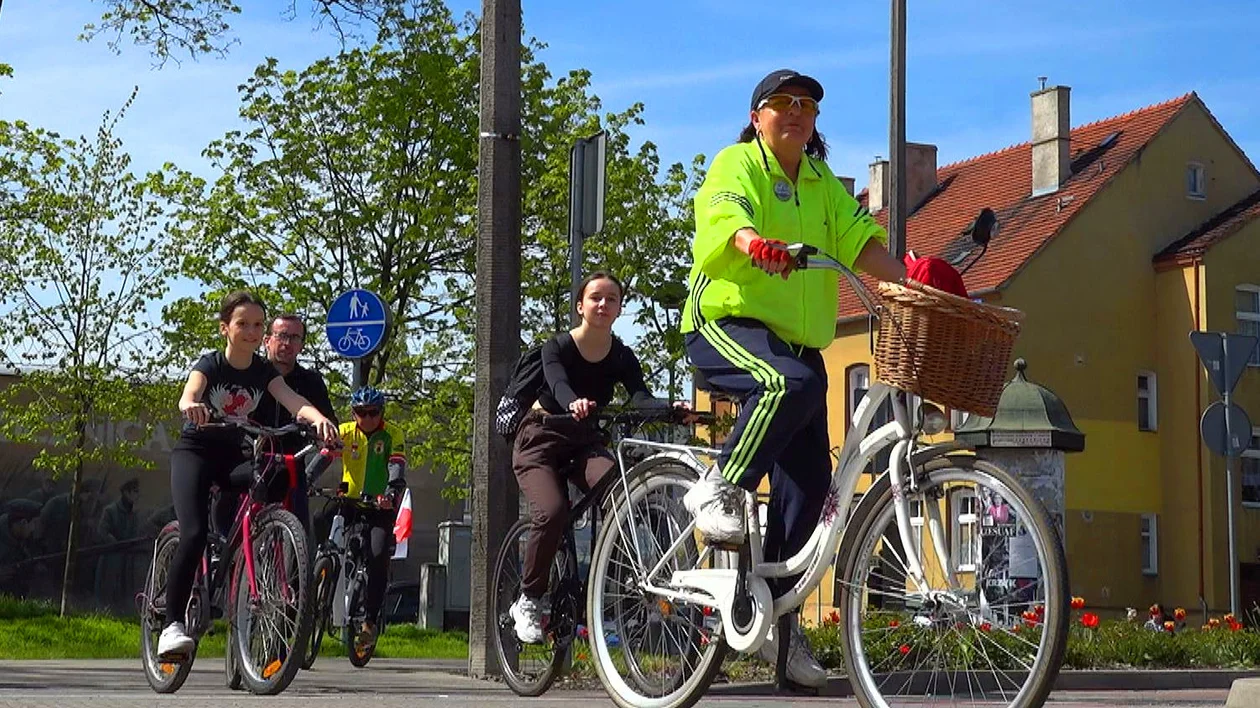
[[802, 666], [175, 641], [528, 614], [718, 507]]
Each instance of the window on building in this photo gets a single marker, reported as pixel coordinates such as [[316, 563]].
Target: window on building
[[1147, 405], [1247, 310], [966, 530], [1196, 181], [916, 527], [1251, 471], [1150, 544], [957, 419], [859, 382]]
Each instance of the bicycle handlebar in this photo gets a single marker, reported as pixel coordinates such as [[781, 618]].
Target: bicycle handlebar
[[806, 257], [261, 430], [636, 416]]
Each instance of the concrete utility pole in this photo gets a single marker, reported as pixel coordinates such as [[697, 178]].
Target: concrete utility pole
[[498, 298], [897, 132]]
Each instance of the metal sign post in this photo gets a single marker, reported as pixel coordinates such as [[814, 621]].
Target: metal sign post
[[1226, 429]]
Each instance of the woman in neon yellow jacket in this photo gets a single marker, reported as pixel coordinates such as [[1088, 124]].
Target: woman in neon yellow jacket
[[755, 330]]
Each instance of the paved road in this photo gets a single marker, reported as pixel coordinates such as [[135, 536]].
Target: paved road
[[400, 684]]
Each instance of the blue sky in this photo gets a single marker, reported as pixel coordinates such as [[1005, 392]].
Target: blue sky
[[971, 66]]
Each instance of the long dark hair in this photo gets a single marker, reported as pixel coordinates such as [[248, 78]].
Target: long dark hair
[[815, 148]]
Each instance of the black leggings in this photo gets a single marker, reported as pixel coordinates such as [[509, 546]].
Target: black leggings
[[193, 469], [379, 551]]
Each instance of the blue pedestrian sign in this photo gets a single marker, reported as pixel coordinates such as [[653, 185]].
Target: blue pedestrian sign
[[356, 323]]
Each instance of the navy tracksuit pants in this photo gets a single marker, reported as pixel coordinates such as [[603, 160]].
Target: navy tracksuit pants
[[781, 429]]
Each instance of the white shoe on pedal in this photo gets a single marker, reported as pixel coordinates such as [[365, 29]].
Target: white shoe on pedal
[[528, 613], [802, 666], [174, 641], [718, 507]]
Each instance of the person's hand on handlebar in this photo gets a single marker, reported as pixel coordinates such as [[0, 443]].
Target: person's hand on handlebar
[[766, 254], [581, 408], [195, 412], [326, 429]]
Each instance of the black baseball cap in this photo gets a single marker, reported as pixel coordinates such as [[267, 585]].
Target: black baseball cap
[[776, 80]]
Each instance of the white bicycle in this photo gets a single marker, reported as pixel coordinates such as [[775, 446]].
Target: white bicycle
[[951, 580]]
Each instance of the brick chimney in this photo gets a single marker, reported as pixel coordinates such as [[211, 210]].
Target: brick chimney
[[879, 191], [921, 173], [1051, 133]]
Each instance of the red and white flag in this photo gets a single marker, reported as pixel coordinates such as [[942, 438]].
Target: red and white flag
[[402, 526]]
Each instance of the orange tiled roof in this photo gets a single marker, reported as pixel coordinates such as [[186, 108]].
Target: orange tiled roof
[[1219, 227], [1002, 181]]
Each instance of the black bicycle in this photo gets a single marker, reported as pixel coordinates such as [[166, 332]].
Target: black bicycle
[[531, 669], [344, 549]]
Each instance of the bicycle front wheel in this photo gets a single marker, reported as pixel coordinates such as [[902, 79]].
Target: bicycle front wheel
[[163, 676], [528, 669], [987, 624], [325, 577], [271, 626], [650, 651]]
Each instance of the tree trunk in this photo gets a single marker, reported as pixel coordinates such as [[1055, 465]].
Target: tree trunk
[[72, 545]]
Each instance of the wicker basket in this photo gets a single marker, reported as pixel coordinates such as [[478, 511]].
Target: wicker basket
[[945, 348]]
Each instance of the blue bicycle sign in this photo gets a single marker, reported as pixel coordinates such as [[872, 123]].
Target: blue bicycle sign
[[356, 323]]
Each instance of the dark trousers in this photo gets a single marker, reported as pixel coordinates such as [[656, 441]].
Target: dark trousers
[[377, 551], [194, 468], [541, 456], [781, 429]]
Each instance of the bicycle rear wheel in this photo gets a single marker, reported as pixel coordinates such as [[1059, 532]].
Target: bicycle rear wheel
[[271, 631], [528, 669], [650, 651], [163, 676], [988, 626]]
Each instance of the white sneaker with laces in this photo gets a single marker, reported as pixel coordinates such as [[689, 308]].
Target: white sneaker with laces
[[802, 666], [528, 613], [174, 641], [718, 507]]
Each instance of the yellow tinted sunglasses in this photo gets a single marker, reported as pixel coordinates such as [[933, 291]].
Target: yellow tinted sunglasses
[[782, 102]]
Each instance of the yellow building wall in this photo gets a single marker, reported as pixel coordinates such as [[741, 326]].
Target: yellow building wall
[[1097, 313], [1231, 262]]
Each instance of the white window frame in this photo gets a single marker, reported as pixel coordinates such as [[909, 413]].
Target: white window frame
[[1150, 557], [916, 527], [957, 418], [1253, 318], [958, 521], [1196, 176], [1252, 453], [857, 373], [1152, 401]]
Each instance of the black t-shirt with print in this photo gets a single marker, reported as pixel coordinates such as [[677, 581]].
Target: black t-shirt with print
[[232, 394]]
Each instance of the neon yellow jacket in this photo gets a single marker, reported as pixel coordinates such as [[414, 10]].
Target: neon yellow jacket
[[746, 187]]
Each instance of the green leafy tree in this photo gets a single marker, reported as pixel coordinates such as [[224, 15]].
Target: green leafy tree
[[81, 237], [192, 28], [360, 171]]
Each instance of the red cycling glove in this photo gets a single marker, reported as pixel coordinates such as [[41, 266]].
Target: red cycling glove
[[764, 249]]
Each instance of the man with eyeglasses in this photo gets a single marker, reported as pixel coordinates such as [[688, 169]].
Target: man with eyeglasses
[[374, 464], [283, 342]]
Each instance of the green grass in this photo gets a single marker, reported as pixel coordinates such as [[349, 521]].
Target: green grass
[[33, 630]]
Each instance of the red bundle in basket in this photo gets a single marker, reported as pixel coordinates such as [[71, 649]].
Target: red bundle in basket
[[935, 273]]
